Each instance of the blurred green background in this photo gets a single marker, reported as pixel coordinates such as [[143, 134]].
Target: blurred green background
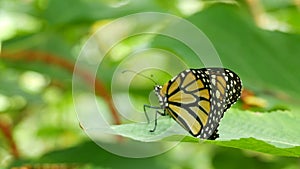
[[41, 39]]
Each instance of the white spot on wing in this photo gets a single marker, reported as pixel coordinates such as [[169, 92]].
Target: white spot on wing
[[213, 81], [217, 94], [182, 74]]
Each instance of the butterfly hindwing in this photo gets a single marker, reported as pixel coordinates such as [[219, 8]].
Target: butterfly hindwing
[[198, 98]]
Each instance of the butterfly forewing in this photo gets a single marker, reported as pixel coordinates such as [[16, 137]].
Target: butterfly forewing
[[198, 98]]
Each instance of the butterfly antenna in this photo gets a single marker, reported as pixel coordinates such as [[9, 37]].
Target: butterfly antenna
[[140, 74]]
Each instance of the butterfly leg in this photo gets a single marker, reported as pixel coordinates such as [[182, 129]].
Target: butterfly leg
[[155, 121], [150, 107]]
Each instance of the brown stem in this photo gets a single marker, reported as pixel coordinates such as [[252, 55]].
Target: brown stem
[[7, 133]]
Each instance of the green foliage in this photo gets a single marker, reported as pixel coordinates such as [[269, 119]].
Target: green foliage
[[44, 123], [263, 59], [275, 133], [190, 156]]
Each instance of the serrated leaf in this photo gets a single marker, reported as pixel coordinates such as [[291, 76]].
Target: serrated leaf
[[141, 131], [275, 133], [278, 128]]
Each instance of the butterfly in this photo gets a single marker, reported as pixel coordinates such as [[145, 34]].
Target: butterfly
[[197, 99]]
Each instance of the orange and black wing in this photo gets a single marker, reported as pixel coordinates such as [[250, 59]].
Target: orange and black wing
[[197, 98]]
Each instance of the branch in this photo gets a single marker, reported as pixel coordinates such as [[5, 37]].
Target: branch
[[7, 133]]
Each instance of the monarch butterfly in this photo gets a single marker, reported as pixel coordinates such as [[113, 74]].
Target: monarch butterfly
[[197, 99]]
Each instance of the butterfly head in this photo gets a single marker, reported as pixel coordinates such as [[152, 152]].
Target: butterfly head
[[161, 97]]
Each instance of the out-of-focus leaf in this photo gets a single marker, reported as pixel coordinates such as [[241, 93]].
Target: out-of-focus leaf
[[289, 16], [234, 159], [271, 5], [263, 59], [90, 154], [82, 11]]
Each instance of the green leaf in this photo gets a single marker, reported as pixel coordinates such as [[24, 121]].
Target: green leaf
[[277, 128], [141, 131], [275, 133]]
